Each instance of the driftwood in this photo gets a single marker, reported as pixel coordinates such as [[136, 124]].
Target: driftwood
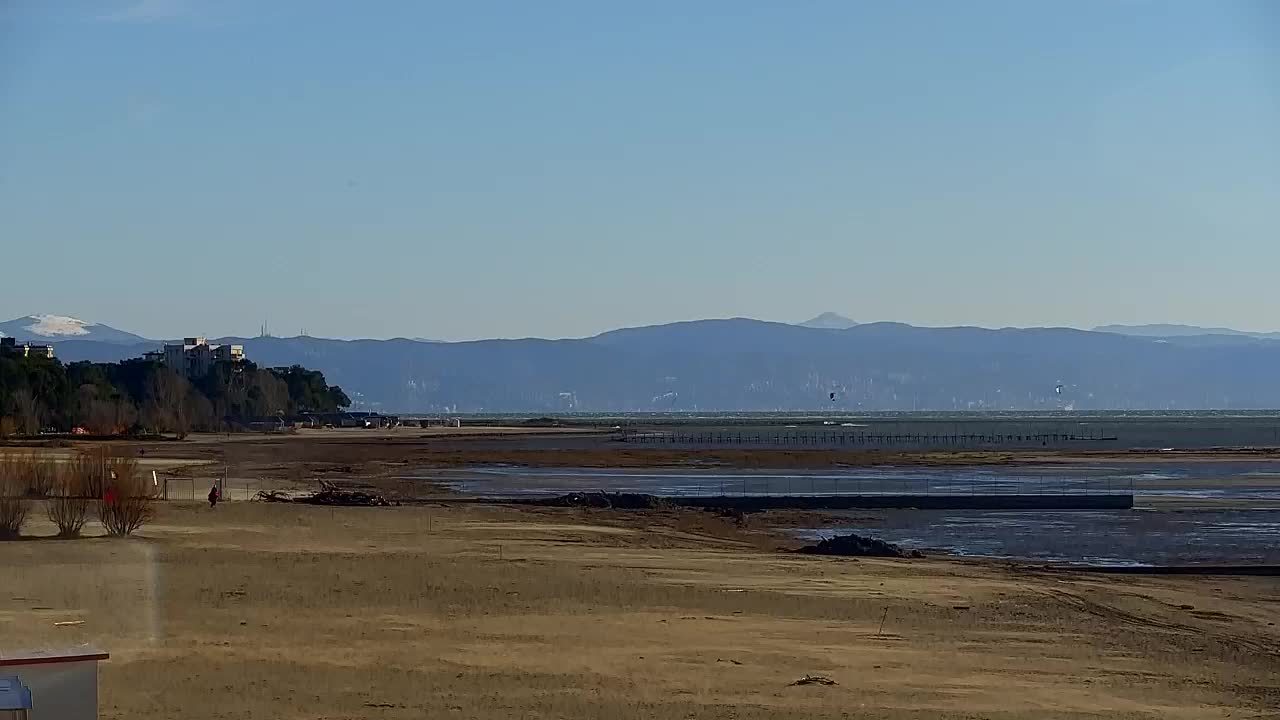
[[329, 494], [272, 496]]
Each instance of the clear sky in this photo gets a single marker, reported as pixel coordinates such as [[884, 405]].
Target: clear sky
[[476, 169]]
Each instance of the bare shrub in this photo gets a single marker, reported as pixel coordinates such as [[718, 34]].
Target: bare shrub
[[30, 474], [69, 500], [126, 503], [14, 504], [40, 474], [96, 466], [13, 514]]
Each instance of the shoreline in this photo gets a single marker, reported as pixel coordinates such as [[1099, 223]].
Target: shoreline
[[823, 459]]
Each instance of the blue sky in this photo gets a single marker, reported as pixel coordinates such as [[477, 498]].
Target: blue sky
[[462, 170]]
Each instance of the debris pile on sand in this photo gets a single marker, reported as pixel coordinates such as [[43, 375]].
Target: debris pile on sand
[[859, 546], [600, 499], [329, 494], [814, 680]]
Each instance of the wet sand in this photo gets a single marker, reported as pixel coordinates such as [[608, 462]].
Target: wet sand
[[321, 453]]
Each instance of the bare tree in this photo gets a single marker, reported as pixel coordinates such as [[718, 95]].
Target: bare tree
[[128, 502], [86, 398], [26, 411], [200, 415], [124, 414], [94, 468], [38, 474], [68, 504], [275, 394], [14, 504], [94, 413], [168, 405]]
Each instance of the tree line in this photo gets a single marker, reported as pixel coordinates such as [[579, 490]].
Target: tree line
[[144, 396]]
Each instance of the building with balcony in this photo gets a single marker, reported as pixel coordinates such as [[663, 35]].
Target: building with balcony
[[11, 346], [194, 357]]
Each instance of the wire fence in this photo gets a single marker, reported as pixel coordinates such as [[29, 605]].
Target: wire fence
[[197, 489]]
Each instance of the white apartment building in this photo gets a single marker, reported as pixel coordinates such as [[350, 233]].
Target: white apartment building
[[195, 356]]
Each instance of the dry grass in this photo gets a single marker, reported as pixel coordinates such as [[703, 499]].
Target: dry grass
[[304, 612]]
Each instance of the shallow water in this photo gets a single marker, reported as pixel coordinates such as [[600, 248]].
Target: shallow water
[[1122, 537], [1240, 534], [1220, 481]]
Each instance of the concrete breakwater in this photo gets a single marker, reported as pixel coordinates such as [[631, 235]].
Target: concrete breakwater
[[755, 503]]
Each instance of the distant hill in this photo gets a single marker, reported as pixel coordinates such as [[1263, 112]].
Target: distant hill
[[55, 328], [1170, 331], [749, 365], [829, 321]]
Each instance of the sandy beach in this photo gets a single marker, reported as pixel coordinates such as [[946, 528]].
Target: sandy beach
[[478, 611], [490, 612]]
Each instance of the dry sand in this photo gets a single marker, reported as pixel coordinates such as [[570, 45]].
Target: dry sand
[[280, 611]]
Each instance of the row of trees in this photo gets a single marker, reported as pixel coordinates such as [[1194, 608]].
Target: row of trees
[[144, 396], [98, 481]]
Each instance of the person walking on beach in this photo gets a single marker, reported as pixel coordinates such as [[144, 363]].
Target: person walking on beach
[[214, 495]]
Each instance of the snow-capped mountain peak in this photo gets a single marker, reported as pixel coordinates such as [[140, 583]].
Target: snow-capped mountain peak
[[51, 326], [56, 328]]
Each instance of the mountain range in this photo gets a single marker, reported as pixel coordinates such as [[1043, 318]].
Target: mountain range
[[53, 328], [750, 365], [1167, 331]]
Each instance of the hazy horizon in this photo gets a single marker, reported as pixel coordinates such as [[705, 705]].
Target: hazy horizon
[[299, 332], [171, 167]]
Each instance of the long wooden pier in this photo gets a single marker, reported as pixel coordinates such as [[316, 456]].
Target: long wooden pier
[[836, 439]]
